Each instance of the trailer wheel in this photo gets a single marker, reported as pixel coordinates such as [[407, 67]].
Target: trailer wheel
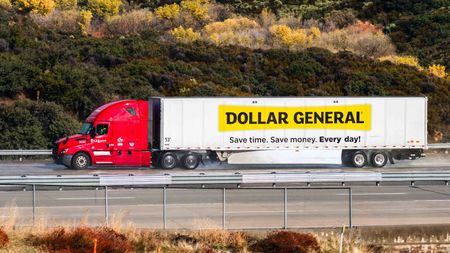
[[190, 161], [80, 161], [359, 159], [168, 161], [378, 159]]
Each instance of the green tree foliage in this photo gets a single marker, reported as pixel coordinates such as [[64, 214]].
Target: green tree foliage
[[28, 124]]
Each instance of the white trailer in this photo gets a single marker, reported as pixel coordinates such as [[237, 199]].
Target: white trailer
[[363, 130]]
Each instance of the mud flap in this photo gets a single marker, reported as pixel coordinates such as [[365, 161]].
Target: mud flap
[[391, 159]]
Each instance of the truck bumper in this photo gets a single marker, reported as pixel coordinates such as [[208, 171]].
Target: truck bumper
[[56, 158], [67, 160]]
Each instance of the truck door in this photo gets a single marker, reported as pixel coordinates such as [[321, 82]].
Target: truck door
[[100, 144]]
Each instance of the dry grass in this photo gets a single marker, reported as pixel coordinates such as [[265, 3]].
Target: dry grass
[[9, 215], [202, 241], [206, 236]]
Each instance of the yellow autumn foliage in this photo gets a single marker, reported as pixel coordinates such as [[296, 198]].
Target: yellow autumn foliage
[[5, 4], [168, 11], [66, 4], [406, 60], [104, 8], [184, 35], [42, 7], [293, 38], [198, 8], [235, 31], [315, 32], [85, 21], [437, 70]]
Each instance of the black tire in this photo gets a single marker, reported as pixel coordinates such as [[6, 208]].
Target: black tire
[[80, 161], [190, 161], [378, 159], [168, 161], [359, 159], [346, 158]]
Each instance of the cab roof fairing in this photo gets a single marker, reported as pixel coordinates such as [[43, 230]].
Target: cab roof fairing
[[108, 111]]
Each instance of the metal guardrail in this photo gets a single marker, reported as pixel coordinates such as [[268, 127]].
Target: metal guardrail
[[211, 180], [24, 152], [35, 199], [20, 152], [51, 180], [439, 145]]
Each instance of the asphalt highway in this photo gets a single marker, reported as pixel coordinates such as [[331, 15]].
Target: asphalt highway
[[244, 208], [433, 162]]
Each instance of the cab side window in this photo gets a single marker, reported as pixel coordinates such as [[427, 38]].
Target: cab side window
[[101, 129], [131, 111]]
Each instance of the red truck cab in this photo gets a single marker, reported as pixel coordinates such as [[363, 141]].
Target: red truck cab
[[115, 134]]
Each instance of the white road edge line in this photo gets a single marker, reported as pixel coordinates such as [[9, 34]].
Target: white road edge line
[[373, 194], [94, 198]]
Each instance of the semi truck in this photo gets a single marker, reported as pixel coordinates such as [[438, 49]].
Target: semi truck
[[184, 132]]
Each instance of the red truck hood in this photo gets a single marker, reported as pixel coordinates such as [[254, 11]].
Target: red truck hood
[[69, 138]]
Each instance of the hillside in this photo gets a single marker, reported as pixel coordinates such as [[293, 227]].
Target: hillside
[[53, 73], [416, 27]]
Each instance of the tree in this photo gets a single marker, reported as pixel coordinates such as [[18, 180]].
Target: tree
[[104, 8]]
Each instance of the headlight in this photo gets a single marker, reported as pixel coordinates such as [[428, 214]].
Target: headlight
[[64, 150]]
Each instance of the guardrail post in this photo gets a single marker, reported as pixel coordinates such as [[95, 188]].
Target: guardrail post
[[34, 203], [106, 206], [223, 207], [285, 209], [350, 200], [164, 208]]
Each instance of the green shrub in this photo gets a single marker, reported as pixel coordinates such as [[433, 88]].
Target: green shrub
[[33, 125]]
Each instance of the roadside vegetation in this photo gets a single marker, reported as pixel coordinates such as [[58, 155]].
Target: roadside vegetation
[[106, 239], [17, 234], [60, 59]]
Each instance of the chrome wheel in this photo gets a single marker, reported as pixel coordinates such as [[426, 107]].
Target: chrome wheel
[[190, 161], [359, 159], [168, 161], [81, 161], [379, 159]]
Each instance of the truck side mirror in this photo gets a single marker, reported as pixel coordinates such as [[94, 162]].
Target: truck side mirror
[[92, 132]]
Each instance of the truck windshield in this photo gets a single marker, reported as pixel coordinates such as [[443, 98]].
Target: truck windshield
[[86, 128]]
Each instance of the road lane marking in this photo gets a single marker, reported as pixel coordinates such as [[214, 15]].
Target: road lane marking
[[94, 198], [373, 194]]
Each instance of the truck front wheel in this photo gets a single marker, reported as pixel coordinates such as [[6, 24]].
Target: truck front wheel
[[168, 161], [190, 161], [378, 159], [359, 159], [80, 161]]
